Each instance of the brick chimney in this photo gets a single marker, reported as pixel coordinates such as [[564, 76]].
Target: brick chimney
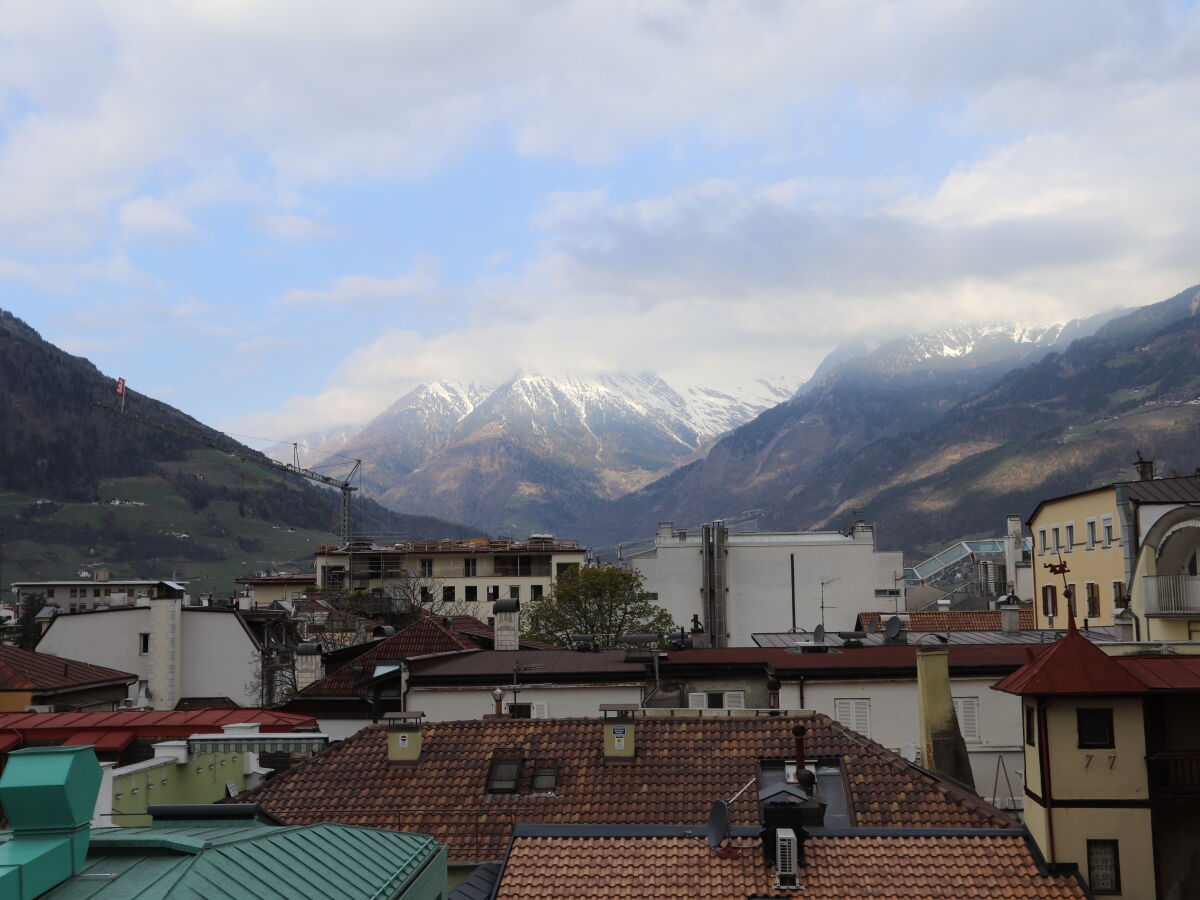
[[1144, 468], [943, 749]]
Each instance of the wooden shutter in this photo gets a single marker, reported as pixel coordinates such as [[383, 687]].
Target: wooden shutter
[[735, 699], [967, 711], [855, 714], [541, 710]]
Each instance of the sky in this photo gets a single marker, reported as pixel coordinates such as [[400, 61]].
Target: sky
[[280, 216]]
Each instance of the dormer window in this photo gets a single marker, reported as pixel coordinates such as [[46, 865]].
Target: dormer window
[[504, 774]]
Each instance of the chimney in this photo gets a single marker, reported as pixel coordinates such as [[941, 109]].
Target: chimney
[[1145, 469], [943, 749], [404, 738], [619, 744], [1010, 618], [48, 794], [508, 624], [166, 643], [665, 530], [1014, 544]]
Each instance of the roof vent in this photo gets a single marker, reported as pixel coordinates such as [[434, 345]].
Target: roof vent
[[787, 848]]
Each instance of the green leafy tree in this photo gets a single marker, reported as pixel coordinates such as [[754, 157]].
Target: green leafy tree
[[604, 602], [28, 630]]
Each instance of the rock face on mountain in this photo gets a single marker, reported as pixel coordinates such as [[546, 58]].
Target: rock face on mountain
[[937, 439], [540, 451]]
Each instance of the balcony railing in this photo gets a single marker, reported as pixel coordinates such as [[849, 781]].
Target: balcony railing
[[1172, 595], [1175, 772]]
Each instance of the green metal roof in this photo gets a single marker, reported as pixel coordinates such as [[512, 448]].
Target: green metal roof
[[251, 860]]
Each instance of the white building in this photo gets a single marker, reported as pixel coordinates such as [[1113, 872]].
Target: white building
[[176, 651], [738, 583]]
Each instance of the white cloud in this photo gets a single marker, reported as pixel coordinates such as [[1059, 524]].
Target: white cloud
[[149, 217], [364, 290], [292, 228]]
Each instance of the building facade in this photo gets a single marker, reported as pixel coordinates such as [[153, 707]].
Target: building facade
[[738, 583], [465, 575]]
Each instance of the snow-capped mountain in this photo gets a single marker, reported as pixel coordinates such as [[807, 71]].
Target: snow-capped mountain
[[485, 453]]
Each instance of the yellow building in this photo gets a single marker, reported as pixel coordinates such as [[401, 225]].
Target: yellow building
[[1112, 765], [1131, 543]]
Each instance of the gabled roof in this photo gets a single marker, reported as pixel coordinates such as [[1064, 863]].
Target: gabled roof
[[604, 863], [426, 636], [950, 619], [25, 670], [681, 765], [1072, 665], [1183, 489]]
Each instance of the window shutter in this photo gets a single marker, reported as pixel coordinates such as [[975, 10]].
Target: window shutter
[[967, 711], [541, 710], [697, 701], [855, 714], [735, 699]]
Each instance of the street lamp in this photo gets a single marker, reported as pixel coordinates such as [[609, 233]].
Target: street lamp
[[498, 696]]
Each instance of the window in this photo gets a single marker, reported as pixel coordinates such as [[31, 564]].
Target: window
[[1093, 599], [426, 594], [519, 710], [1091, 534], [427, 568], [514, 592], [504, 774], [470, 568], [535, 592], [966, 710], [545, 777], [562, 567], [1070, 529], [1193, 630], [1030, 725], [493, 593], [74, 592], [717, 700], [1108, 532], [49, 593], [144, 643], [1104, 870], [1049, 600], [448, 593], [1042, 545], [1071, 594], [1056, 531], [523, 565], [470, 593], [95, 592], [855, 714], [1095, 727], [1119, 595]]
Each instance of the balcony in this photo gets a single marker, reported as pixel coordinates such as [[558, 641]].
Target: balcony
[[1172, 595], [1175, 772]]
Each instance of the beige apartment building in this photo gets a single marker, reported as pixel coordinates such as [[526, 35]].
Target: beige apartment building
[[470, 575]]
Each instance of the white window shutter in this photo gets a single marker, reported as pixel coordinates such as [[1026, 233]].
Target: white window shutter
[[697, 701], [967, 711], [855, 714], [735, 699], [541, 711]]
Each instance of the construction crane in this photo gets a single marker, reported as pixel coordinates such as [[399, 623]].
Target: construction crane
[[342, 485]]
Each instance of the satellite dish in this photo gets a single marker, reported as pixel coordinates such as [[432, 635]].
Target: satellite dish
[[717, 828], [892, 628], [819, 634], [873, 626]]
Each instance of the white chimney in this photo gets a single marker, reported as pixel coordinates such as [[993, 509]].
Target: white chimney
[[507, 614], [176, 750], [1010, 618]]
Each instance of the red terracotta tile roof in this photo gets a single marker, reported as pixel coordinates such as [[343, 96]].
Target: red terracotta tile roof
[[681, 765], [472, 626], [951, 619], [879, 867], [25, 670], [1072, 665], [426, 636]]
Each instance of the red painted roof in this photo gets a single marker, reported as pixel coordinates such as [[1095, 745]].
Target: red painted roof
[[101, 739], [149, 723], [1164, 672], [1072, 665], [25, 670]]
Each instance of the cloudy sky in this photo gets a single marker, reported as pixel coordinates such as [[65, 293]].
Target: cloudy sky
[[280, 215]]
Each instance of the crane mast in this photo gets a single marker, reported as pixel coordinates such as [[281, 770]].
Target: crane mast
[[343, 485]]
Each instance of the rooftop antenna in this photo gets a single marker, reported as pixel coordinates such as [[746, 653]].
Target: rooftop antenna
[[825, 581], [717, 829]]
